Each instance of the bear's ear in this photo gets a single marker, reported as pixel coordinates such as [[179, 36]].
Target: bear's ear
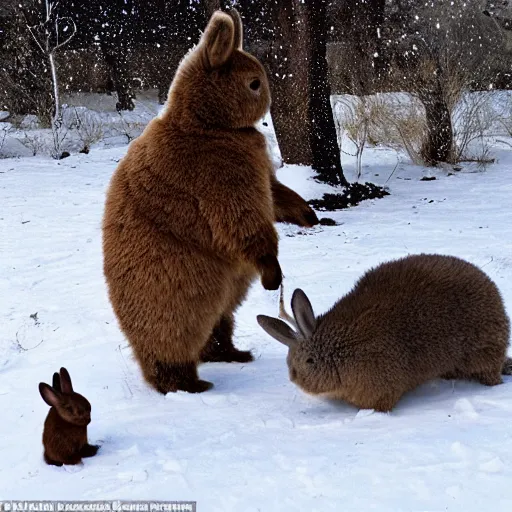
[[218, 41], [239, 29]]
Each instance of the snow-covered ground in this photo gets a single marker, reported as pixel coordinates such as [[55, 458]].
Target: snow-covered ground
[[254, 442]]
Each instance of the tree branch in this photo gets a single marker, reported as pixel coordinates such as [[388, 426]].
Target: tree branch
[[66, 41], [35, 39], [30, 28]]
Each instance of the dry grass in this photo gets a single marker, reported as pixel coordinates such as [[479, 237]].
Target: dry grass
[[89, 128], [398, 121], [473, 118], [392, 120], [4, 131]]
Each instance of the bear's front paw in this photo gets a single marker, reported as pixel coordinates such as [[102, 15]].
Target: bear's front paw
[[271, 275], [310, 218]]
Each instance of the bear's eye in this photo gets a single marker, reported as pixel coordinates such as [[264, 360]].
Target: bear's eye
[[255, 85], [310, 360]]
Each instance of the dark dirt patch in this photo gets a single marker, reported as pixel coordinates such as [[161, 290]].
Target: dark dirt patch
[[351, 196]]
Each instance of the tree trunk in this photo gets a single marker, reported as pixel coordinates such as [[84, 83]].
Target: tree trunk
[[286, 61], [301, 109], [322, 136], [438, 145], [116, 26], [55, 84], [117, 60]]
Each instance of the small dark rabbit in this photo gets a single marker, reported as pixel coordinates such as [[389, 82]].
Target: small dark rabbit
[[405, 322], [65, 428]]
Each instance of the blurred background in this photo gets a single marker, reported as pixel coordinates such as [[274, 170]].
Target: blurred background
[[407, 74]]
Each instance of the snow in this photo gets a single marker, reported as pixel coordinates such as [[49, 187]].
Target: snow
[[87, 119], [255, 441]]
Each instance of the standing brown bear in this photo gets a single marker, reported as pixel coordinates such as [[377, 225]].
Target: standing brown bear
[[190, 211]]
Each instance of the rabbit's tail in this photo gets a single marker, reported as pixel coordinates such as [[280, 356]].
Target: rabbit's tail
[[506, 369]]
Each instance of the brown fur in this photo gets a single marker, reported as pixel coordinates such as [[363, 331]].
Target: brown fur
[[190, 211], [405, 322], [65, 427]]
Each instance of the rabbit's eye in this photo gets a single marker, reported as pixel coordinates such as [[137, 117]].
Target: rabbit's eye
[[255, 85], [310, 360]]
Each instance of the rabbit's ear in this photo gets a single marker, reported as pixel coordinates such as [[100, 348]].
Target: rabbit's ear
[[56, 382], [49, 395], [278, 330], [218, 39], [239, 28], [65, 381], [303, 313]]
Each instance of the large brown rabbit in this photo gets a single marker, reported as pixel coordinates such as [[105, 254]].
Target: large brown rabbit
[[65, 428], [405, 322], [190, 212]]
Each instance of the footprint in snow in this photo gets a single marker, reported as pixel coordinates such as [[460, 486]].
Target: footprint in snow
[[33, 333], [133, 476], [363, 413], [278, 423], [76, 468], [371, 414], [461, 450], [465, 408], [171, 466], [494, 465], [214, 399], [454, 491], [130, 452]]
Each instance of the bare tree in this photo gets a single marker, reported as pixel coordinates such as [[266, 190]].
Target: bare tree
[[438, 53], [25, 79], [51, 33]]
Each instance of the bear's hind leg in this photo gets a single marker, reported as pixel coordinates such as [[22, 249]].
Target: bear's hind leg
[[172, 377], [170, 371], [220, 344], [488, 378]]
